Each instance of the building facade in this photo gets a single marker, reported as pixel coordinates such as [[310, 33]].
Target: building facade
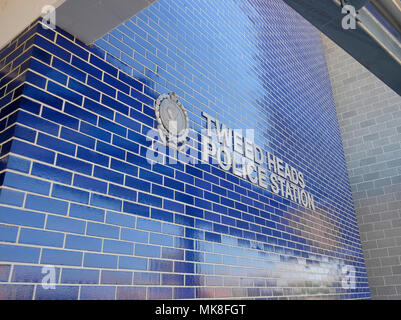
[[369, 115], [93, 205]]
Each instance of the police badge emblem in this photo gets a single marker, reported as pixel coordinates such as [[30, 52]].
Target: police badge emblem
[[172, 121]]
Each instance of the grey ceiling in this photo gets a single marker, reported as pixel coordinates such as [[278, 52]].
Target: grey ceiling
[[89, 20]]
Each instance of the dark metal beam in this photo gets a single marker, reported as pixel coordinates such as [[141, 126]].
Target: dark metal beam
[[358, 4], [370, 44]]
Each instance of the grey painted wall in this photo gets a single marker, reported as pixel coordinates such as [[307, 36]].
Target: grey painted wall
[[369, 114]]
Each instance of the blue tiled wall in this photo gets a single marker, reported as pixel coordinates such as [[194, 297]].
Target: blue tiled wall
[[78, 194]]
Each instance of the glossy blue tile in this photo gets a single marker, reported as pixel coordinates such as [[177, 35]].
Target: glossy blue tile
[[162, 215], [132, 263], [150, 176], [160, 265], [84, 90], [194, 233], [87, 213], [110, 150], [183, 225], [184, 293], [32, 274], [79, 276], [33, 78], [160, 293], [56, 144], [116, 84], [16, 291], [172, 279], [161, 239], [171, 253], [144, 250], [90, 184], [80, 113], [120, 64], [83, 243], [71, 47], [116, 277], [98, 293], [59, 293], [8, 49], [65, 224], [130, 81], [102, 230], [193, 211], [129, 101], [123, 220], [134, 235], [68, 69], [194, 191], [182, 197], [25, 183], [41, 238], [109, 175], [11, 197], [173, 229], [64, 93], [113, 38], [71, 194], [149, 200], [34, 152], [119, 247], [48, 71], [101, 201], [93, 157], [162, 169], [98, 109], [146, 278], [184, 220], [74, 164], [185, 243], [43, 96], [193, 171], [52, 48], [8, 233], [125, 145], [107, 47], [95, 260], [130, 123], [203, 204], [61, 257], [101, 86], [121, 192], [114, 104], [95, 132], [103, 65], [77, 138], [148, 224], [51, 173], [138, 160], [13, 253], [214, 237], [18, 131], [141, 117], [173, 206], [86, 67], [131, 293], [47, 33], [184, 267]]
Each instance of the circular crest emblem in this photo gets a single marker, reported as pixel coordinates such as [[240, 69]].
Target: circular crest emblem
[[172, 121]]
